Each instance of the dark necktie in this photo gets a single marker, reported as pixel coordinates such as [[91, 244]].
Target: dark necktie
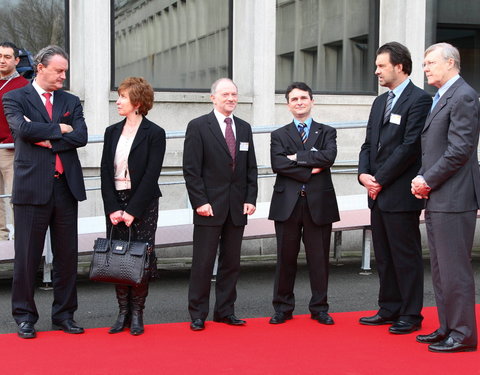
[[303, 133], [49, 108], [230, 139], [388, 107]]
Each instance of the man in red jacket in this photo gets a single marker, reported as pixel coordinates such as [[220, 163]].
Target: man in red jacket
[[9, 80]]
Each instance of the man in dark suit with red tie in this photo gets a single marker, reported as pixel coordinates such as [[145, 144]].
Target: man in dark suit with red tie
[[220, 172], [303, 204], [389, 158], [48, 126]]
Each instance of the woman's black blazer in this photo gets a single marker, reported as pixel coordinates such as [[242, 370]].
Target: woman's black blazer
[[144, 164]]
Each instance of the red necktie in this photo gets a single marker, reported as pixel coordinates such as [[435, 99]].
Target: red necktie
[[230, 139], [49, 108]]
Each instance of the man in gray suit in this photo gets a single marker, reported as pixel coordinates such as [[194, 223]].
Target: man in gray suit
[[450, 180]]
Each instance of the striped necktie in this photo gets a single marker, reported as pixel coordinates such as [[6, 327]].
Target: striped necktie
[[388, 107], [303, 133]]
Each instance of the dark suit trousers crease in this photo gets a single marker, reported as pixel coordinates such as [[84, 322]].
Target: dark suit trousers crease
[[31, 224], [398, 255], [316, 239], [227, 239], [450, 239]]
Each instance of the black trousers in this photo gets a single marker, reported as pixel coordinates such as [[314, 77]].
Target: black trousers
[[398, 256], [31, 224], [316, 238], [206, 241]]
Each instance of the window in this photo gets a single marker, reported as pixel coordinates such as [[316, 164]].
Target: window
[[34, 24], [458, 23], [328, 44], [175, 45]]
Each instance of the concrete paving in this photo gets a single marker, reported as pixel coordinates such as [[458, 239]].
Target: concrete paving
[[167, 301]]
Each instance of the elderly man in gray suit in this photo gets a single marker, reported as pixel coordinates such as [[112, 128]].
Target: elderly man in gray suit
[[450, 179]]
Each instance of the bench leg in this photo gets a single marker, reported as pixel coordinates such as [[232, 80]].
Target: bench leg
[[366, 248]]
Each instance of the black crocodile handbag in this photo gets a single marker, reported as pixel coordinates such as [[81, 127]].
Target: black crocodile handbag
[[120, 262]]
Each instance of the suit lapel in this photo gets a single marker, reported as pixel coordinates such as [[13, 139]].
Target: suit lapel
[[315, 131], [116, 133], [377, 121], [442, 102], [217, 132], [141, 133], [58, 105], [34, 99], [403, 97], [293, 133]]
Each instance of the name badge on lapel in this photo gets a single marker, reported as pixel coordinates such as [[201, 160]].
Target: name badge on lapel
[[395, 119], [243, 146]]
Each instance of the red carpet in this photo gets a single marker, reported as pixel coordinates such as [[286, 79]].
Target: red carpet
[[301, 346]]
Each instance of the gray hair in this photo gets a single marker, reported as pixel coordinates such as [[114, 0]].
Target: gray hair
[[45, 55], [448, 52], [215, 84]]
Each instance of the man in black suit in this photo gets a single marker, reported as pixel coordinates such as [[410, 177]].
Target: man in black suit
[[220, 172], [450, 179], [47, 185], [389, 159], [303, 204]]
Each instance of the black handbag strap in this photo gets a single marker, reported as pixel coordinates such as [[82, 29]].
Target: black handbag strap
[[111, 235]]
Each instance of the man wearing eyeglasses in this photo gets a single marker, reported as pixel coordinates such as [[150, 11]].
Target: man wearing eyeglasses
[[450, 181]]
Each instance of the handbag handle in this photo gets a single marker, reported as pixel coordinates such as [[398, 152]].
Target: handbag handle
[[111, 234]]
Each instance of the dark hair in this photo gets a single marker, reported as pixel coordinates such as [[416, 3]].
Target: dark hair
[[301, 86], [12, 46], [399, 54], [45, 55], [139, 91]]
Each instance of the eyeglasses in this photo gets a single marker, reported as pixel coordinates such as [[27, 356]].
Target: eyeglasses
[[428, 64]]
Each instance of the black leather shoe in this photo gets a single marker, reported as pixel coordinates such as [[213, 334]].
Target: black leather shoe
[[323, 318], [376, 320], [230, 319], [449, 345], [401, 327], [26, 330], [280, 318], [197, 325], [432, 338], [68, 326]]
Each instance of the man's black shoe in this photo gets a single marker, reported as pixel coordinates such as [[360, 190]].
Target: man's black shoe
[[280, 317], [432, 338], [26, 330], [323, 318], [197, 325], [449, 345], [68, 326], [401, 327], [376, 320], [231, 320]]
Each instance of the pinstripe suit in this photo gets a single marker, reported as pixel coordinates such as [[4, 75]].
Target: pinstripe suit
[[42, 201]]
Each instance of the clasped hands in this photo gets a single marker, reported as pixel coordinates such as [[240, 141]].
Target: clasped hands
[[207, 210], [420, 188], [119, 216], [64, 128], [294, 158], [371, 184]]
